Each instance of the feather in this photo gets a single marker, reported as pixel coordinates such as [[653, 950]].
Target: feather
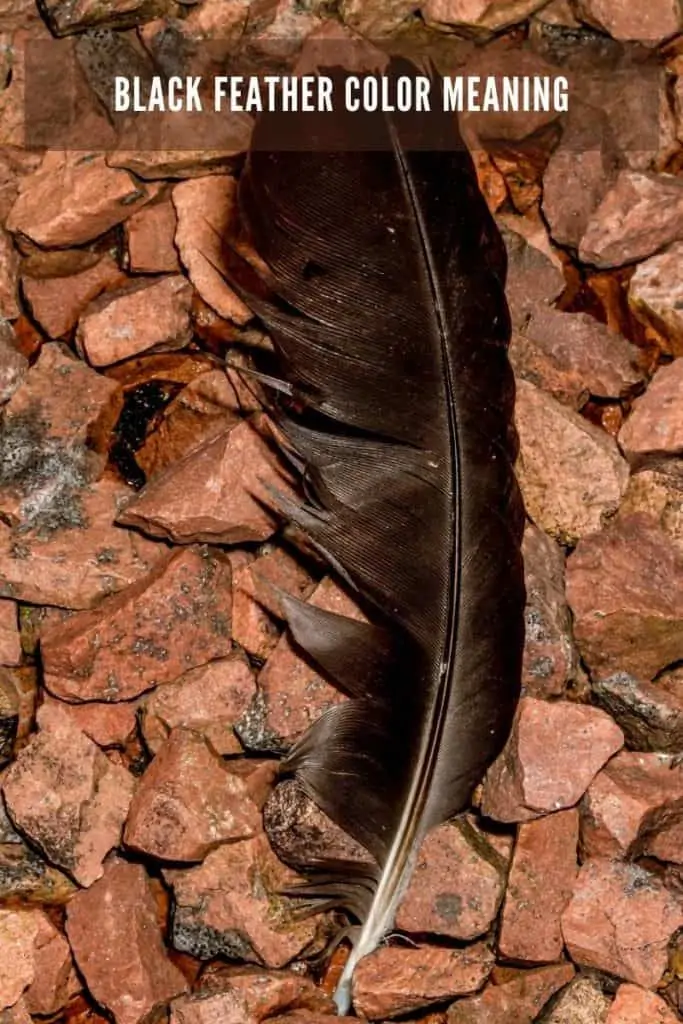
[[384, 297]]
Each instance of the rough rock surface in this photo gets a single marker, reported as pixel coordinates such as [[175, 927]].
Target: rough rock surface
[[661, 20], [625, 588], [655, 295], [57, 296], [658, 493], [524, 996], [68, 798], [394, 981], [478, 14], [149, 239], [541, 880], [10, 642], [554, 752], [620, 920], [113, 931], [634, 1005], [252, 995], [188, 802], [571, 473], [650, 714], [581, 1002], [13, 365], [655, 426], [176, 618]]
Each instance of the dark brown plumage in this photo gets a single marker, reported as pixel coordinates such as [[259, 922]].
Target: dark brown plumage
[[386, 304]]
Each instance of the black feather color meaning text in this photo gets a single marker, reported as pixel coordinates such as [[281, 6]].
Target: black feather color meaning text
[[384, 297]]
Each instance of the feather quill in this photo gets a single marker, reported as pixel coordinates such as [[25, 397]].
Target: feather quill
[[384, 297]]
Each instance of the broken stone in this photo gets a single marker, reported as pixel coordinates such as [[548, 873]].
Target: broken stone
[[572, 356], [22, 933], [533, 279], [115, 938], [73, 567], [520, 999], [56, 300], [175, 619], [208, 700], [256, 612], [72, 198], [279, 715], [655, 295], [394, 981], [581, 1002], [249, 995], [229, 907], [628, 802], [491, 15], [634, 1005], [203, 409], [27, 878], [64, 17], [650, 714], [620, 920], [205, 210], [188, 802], [550, 658], [146, 316], [621, 21], [53, 972], [554, 752], [9, 269], [217, 493], [107, 725], [659, 494], [77, 405], [9, 715], [10, 640], [149, 240], [65, 794], [640, 214], [457, 885], [571, 473], [655, 426], [625, 588], [13, 365], [542, 877]]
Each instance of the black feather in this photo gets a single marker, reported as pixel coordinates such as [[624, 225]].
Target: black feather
[[386, 304]]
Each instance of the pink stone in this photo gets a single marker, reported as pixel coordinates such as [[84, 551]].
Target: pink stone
[[634, 1005], [655, 426], [149, 236], [10, 640]]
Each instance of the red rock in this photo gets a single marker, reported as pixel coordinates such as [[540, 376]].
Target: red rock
[[65, 794], [655, 295], [572, 356], [308, 1017], [53, 979], [618, 18], [225, 143], [188, 802], [108, 725], [571, 473], [22, 934], [249, 995], [286, 33], [56, 300], [655, 426], [633, 1005], [13, 365], [650, 714], [640, 214], [394, 981], [554, 752], [17, 1014], [207, 700], [9, 267], [72, 198], [229, 907], [216, 493], [457, 886], [540, 885], [376, 19], [579, 173], [659, 493], [115, 938], [620, 920], [628, 802], [149, 239], [524, 997], [550, 657], [203, 409], [10, 641], [9, 715], [534, 280], [557, 12], [666, 844], [175, 619], [65, 18], [493, 15], [300, 832], [148, 315], [76, 567], [625, 588], [78, 405], [581, 1002], [279, 716], [205, 208], [256, 613]]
